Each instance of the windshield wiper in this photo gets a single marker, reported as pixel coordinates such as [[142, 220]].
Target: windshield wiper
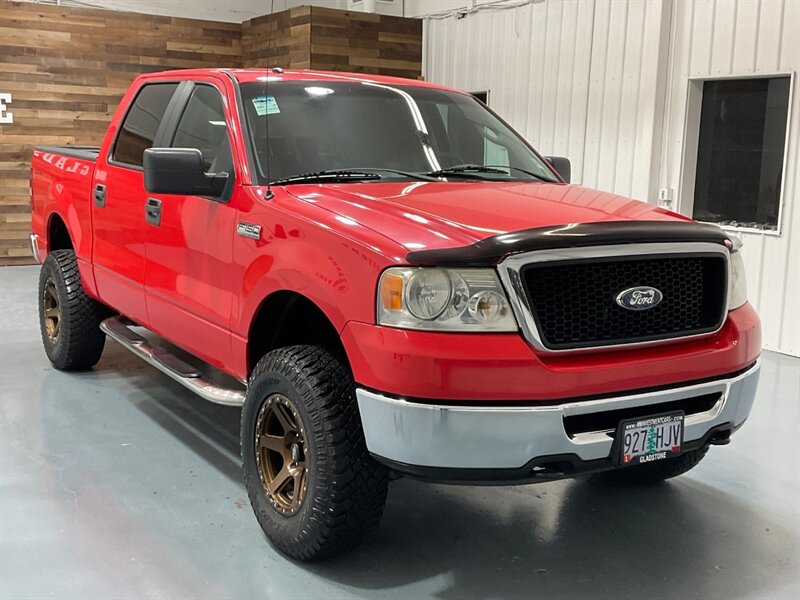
[[474, 171], [339, 175], [331, 176], [420, 176]]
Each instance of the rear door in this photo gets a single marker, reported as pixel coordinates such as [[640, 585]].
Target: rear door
[[118, 199], [189, 283]]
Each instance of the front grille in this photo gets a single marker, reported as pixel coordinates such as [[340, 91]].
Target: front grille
[[574, 302]]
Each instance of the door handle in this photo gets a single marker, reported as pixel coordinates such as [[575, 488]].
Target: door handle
[[100, 195], [152, 211]]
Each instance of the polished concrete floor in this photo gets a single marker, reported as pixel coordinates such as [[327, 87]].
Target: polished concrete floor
[[118, 483]]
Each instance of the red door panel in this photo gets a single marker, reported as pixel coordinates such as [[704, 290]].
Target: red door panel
[[189, 287]]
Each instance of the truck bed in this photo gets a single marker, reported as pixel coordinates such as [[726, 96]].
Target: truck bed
[[89, 153], [61, 186]]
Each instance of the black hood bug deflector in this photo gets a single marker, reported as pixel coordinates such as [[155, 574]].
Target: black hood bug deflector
[[492, 250]]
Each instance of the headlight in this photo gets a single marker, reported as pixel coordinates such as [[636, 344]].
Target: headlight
[[444, 300], [428, 293], [737, 287]]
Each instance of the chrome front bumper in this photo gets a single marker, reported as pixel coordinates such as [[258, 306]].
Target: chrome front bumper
[[510, 437]]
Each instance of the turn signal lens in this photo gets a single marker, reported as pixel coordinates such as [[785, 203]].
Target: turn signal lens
[[392, 292], [486, 306]]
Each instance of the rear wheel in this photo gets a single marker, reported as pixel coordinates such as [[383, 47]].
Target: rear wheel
[[69, 320], [654, 472], [313, 486]]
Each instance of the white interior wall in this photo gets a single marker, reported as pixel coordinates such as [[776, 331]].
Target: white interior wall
[[504, 52], [605, 83], [421, 8], [741, 38], [577, 78]]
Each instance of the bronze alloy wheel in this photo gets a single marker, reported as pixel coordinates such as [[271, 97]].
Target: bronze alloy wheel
[[281, 454], [315, 490], [51, 310]]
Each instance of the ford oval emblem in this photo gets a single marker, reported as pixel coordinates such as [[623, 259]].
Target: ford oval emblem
[[642, 297]]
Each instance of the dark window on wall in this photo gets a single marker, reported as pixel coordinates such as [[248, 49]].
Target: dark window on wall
[[202, 126], [740, 152], [141, 123]]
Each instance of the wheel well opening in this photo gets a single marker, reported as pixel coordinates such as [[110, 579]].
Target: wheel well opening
[[58, 235], [289, 319]]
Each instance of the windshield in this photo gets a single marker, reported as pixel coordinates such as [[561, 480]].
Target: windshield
[[302, 127]]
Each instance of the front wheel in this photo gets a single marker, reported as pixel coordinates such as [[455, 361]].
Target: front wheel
[[313, 486]]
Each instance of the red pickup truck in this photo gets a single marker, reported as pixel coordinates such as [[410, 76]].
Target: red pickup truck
[[395, 283]]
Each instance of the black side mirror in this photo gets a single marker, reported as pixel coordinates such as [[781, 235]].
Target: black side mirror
[[180, 171], [562, 166]]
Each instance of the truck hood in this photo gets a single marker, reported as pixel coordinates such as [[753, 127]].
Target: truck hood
[[425, 215]]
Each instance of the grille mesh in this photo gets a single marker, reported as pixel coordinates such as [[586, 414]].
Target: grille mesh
[[574, 304]]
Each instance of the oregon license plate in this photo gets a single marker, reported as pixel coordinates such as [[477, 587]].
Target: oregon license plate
[[649, 439]]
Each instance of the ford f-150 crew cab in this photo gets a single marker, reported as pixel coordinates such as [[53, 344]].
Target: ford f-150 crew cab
[[390, 281]]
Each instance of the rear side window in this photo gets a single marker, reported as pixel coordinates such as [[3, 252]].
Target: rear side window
[[141, 123], [202, 126]]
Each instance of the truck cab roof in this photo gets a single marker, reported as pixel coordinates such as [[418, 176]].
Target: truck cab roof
[[277, 74]]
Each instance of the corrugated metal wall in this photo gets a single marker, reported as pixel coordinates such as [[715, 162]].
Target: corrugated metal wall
[[713, 38], [576, 77], [605, 83]]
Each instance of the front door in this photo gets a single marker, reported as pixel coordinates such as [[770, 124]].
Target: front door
[[188, 280]]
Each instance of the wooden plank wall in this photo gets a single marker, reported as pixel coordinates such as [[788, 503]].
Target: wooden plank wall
[[365, 43], [67, 69], [281, 39], [312, 37]]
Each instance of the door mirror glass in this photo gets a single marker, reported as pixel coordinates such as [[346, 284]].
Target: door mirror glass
[[562, 166], [180, 171]]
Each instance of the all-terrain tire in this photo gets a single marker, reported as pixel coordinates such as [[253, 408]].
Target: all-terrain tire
[[654, 472], [73, 341], [344, 490]]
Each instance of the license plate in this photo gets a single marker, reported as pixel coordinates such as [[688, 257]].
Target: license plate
[[649, 439]]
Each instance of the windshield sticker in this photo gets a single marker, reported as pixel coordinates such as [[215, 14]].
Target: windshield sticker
[[265, 105]]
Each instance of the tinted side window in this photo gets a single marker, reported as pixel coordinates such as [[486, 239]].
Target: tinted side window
[[202, 126], [141, 123]]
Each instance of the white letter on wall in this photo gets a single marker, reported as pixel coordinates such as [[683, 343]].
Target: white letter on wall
[[5, 117]]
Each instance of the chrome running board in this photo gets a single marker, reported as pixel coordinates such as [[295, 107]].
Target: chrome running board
[[119, 330]]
